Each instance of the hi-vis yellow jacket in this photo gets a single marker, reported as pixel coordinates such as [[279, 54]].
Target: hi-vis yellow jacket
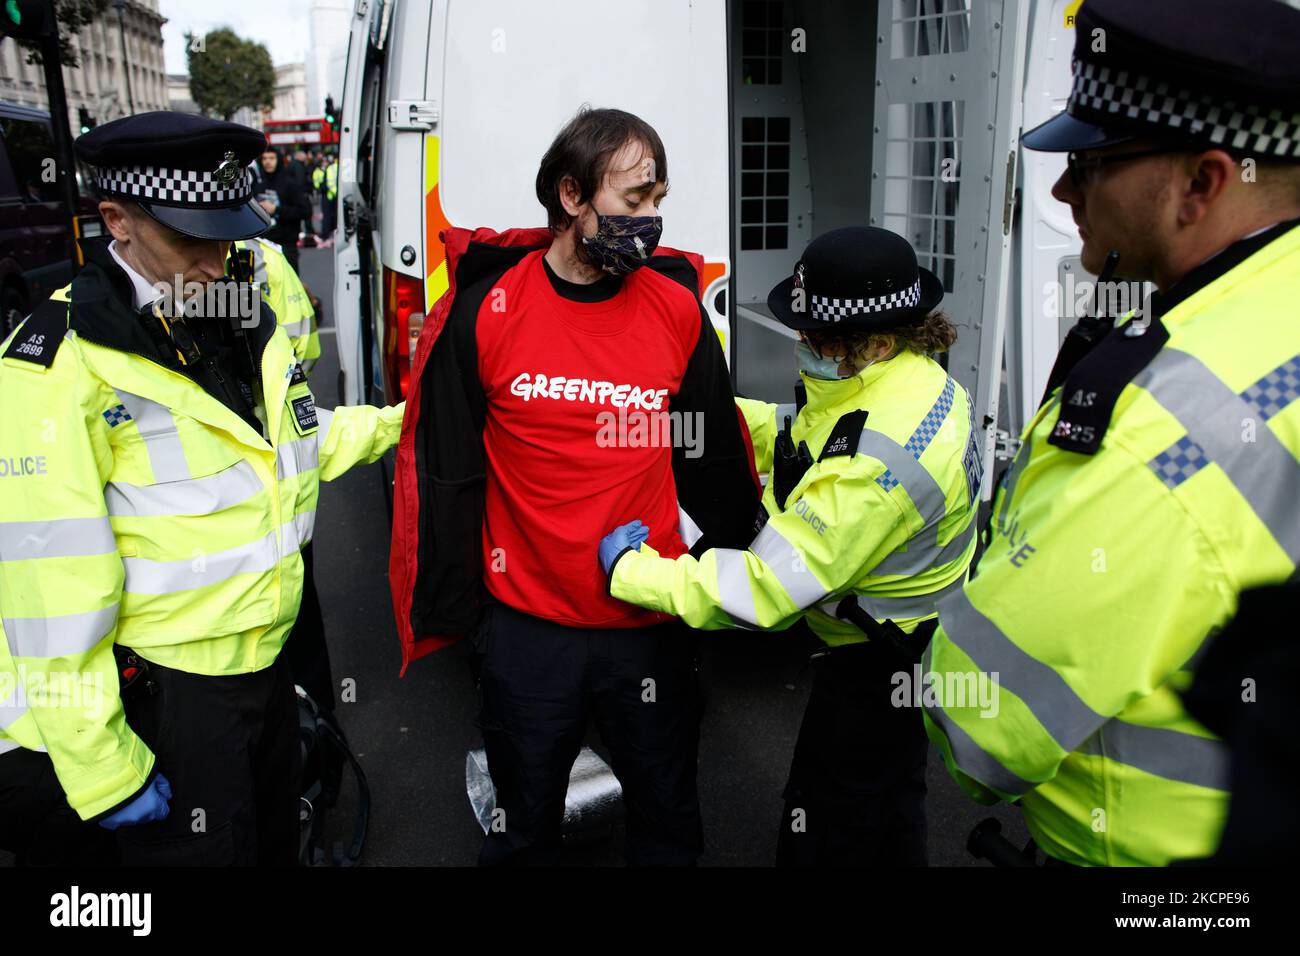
[[332, 181], [284, 293], [137, 509], [893, 524], [1107, 573]]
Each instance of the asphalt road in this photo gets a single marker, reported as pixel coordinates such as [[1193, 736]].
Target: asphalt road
[[411, 734]]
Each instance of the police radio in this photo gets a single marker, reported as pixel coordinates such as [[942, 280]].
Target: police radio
[[1087, 332], [241, 264]]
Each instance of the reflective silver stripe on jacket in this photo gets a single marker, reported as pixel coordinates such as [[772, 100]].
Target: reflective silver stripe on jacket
[[294, 457], [1161, 752], [57, 538], [901, 468], [13, 706], [297, 532], [8, 745], [969, 756], [62, 635], [917, 559], [144, 576], [1052, 701], [735, 596], [783, 411], [297, 329], [190, 496], [687, 528], [324, 416], [1264, 471], [789, 565], [884, 608], [161, 440]]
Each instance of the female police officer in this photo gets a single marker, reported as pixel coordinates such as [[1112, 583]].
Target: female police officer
[[868, 519]]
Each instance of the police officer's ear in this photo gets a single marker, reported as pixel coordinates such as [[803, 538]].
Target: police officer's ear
[[1202, 180], [119, 217]]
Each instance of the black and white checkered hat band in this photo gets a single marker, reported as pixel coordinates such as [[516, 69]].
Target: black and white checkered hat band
[[1131, 96], [832, 310], [181, 187]]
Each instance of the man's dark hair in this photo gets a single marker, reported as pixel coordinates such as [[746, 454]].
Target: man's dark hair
[[583, 150]]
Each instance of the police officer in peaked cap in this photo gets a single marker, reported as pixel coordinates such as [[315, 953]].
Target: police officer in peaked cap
[[151, 556], [186, 172], [1158, 480]]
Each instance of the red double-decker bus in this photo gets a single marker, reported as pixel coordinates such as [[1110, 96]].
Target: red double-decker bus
[[314, 131]]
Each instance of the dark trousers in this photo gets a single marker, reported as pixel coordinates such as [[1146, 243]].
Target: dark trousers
[[309, 655], [539, 682], [229, 747], [856, 791], [329, 213], [36, 823]]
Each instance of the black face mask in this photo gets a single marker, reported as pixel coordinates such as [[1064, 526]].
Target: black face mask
[[622, 244]]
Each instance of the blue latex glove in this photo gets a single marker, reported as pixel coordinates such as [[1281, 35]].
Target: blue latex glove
[[624, 536], [146, 808]]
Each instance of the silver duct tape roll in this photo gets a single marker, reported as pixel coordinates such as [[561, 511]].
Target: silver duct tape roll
[[592, 802]]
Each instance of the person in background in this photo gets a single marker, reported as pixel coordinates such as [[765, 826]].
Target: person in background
[[329, 201], [283, 195], [301, 167]]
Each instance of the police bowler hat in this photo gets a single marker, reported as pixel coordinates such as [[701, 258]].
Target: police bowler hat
[[858, 278]]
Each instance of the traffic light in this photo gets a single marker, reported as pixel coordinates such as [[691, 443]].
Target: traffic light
[[24, 19], [87, 121], [331, 114]]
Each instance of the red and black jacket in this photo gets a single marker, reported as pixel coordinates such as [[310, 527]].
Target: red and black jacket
[[435, 566]]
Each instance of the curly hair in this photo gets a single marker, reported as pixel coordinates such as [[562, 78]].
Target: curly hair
[[932, 334]]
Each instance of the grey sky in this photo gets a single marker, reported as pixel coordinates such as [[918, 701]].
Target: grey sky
[[281, 25]]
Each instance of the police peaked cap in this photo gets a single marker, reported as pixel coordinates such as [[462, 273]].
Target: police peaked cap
[[188, 172], [1210, 72]]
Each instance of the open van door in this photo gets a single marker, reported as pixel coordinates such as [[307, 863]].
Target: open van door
[[354, 253], [945, 143]]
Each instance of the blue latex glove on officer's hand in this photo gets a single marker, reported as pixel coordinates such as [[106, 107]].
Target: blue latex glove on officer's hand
[[624, 536], [146, 808]]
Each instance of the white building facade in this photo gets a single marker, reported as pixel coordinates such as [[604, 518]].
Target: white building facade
[[99, 84], [291, 93], [327, 55]]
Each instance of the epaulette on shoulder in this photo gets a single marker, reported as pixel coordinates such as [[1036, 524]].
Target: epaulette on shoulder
[[1093, 386], [843, 439], [38, 339]]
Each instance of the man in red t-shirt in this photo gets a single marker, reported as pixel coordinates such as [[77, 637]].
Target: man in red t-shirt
[[603, 385]]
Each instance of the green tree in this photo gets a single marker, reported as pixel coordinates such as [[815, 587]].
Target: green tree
[[227, 73], [72, 16]]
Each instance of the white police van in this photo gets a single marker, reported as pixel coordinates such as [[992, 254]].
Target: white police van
[[782, 119]]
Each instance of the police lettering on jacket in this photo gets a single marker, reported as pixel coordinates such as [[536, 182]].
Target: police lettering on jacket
[[20, 466], [529, 386]]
